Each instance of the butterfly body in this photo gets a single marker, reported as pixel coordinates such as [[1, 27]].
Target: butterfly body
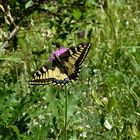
[[63, 67]]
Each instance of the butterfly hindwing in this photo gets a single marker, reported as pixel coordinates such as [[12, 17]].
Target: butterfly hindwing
[[63, 69], [49, 74]]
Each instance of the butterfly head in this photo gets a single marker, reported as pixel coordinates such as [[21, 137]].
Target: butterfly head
[[57, 53]]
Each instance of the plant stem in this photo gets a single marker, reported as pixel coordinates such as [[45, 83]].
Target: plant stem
[[66, 105]]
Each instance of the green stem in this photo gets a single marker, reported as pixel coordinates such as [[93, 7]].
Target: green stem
[[66, 105]]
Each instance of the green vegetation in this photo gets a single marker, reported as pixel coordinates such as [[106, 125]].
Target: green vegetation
[[104, 104]]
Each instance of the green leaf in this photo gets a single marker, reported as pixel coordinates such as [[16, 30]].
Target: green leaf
[[107, 124], [53, 102], [72, 105], [64, 1], [112, 103], [29, 4], [77, 14], [97, 100], [15, 129]]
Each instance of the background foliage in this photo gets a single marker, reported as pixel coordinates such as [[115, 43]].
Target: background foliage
[[105, 103]]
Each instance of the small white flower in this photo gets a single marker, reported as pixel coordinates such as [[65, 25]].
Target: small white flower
[[83, 135]]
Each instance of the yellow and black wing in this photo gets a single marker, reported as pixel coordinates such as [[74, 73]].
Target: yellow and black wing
[[63, 69]]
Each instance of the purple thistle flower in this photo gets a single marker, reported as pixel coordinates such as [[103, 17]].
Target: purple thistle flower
[[57, 53], [81, 34]]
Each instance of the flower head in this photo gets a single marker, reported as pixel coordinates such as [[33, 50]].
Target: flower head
[[57, 53], [81, 34]]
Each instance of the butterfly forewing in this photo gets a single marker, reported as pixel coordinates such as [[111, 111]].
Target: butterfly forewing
[[63, 69], [74, 59]]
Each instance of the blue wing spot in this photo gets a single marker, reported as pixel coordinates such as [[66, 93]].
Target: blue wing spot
[[66, 80]]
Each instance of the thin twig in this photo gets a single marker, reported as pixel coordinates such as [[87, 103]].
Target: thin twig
[[12, 34]]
